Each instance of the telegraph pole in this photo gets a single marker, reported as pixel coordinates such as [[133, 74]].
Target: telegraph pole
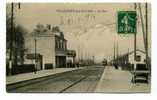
[[146, 18], [117, 58], [93, 59], [114, 54], [35, 66], [135, 6], [142, 23], [11, 40]]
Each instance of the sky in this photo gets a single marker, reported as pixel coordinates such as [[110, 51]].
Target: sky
[[90, 29]]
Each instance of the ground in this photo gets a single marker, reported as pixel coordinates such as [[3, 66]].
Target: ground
[[87, 80]]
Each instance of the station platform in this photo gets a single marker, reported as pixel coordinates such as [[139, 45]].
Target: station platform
[[119, 81], [43, 73]]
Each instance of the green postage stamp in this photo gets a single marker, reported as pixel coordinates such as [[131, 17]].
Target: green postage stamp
[[126, 22]]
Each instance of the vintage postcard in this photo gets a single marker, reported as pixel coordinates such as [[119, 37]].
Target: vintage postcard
[[78, 47]]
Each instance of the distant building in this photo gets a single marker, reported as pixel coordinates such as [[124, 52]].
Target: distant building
[[48, 48], [126, 61], [140, 57]]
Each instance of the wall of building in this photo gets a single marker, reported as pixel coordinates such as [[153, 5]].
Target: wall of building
[[142, 60], [51, 46], [60, 50], [45, 46]]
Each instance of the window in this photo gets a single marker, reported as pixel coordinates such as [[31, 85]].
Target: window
[[57, 44], [60, 44], [138, 58], [64, 45], [144, 60]]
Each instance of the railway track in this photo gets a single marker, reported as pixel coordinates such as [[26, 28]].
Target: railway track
[[75, 81], [78, 81]]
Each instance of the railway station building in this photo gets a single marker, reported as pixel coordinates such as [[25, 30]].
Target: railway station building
[[47, 50]]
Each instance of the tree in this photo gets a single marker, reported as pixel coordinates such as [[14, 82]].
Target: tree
[[55, 29], [39, 29], [20, 32], [17, 39]]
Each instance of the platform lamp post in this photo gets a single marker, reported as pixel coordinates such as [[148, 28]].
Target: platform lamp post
[[35, 46]]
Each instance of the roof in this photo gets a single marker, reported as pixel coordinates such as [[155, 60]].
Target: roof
[[137, 50], [131, 53], [44, 34], [33, 55]]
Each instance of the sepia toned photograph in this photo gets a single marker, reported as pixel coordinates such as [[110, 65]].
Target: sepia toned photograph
[[78, 47]]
